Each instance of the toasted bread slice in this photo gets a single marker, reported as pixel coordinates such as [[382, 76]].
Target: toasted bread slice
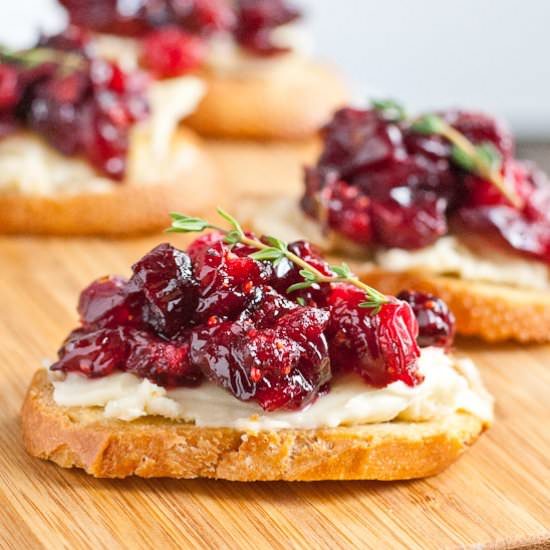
[[281, 105], [156, 447], [123, 209], [495, 312]]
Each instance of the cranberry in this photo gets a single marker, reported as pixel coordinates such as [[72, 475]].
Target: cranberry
[[349, 210], [382, 348], [287, 273], [109, 302], [256, 19], [436, 323], [165, 277], [54, 111], [409, 222], [481, 128], [164, 363], [228, 283], [100, 352], [484, 193], [9, 92], [275, 353], [488, 214], [172, 52], [357, 140], [94, 353]]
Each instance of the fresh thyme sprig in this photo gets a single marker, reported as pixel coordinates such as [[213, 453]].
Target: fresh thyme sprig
[[66, 61], [275, 250], [483, 160]]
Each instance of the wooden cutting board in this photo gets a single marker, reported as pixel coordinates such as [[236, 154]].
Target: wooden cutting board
[[497, 495]]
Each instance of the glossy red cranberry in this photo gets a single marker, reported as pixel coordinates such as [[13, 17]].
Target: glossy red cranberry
[[358, 140], [109, 302], [349, 211], [101, 352], [55, 110], [94, 353], [255, 21], [275, 353], [89, 111], [287, 273], [481, 128], [171, 52], [436, 323], [165, 277], [484, 193], [164, 363], [228, 283], [374, 191], [490, 216], [9, 89], [411, 221], [381, 348]]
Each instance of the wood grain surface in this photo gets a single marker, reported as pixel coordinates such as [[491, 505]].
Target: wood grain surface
[[496, 496]]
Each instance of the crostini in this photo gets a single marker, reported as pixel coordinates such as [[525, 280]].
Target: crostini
[[248, 359]]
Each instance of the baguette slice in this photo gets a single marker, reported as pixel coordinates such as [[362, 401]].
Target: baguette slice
[[127, 208], [494, 312], [155, 447], [272, 105]]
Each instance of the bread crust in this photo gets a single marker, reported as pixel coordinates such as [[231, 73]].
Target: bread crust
[[154, 447], [492, 311], [285, 105], [127, 209]]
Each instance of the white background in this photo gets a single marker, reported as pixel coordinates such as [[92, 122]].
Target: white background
[[490, 54]]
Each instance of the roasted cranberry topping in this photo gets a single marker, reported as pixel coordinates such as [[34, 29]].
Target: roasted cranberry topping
[[108, 302], [436, 323], [94, 353], [381, 348], [275, 353], [139, 17], [164, 363], [216, 312], [165, 277], [287, 273], [100, 352], [379, 182], [172, 52], [88, 109], [228, 283], [251, 21]]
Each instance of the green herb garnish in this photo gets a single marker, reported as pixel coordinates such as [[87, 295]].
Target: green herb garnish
[[275, 250]]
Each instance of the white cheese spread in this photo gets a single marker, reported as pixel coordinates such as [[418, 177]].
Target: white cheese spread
[[29, 165], [448, 386], [448, 256]]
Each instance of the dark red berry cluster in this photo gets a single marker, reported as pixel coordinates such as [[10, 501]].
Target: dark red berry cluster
[[250, 21], [379, 182], [79, 104], [216, 313]]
